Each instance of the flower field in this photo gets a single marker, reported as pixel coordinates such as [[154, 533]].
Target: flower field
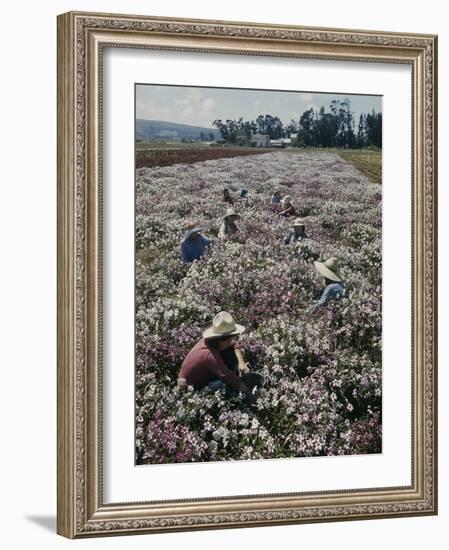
[[322, 365]]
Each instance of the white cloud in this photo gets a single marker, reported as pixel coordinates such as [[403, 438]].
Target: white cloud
[[182, 101], [194, 109], [187, 113], [193, 97], [208, 105], [153, 112]]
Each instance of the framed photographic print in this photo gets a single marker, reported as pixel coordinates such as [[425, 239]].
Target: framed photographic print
[[246, 274]]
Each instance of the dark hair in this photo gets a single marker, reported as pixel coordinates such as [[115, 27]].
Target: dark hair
[[225, 190], [215, 341]]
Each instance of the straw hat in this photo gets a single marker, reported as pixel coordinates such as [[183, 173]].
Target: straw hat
[[223, 325], [231, 212], [192, 228], [329, 269], [298, 223], [287, 199]]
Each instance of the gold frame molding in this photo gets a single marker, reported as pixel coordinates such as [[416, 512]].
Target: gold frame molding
[[81, 38]]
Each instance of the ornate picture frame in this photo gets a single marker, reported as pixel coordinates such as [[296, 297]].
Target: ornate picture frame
[[82, 40]]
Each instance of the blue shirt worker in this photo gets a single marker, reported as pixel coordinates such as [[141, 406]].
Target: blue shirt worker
[[244, 197], [276, 197], [296, 233], [193, 244], [335, 287]]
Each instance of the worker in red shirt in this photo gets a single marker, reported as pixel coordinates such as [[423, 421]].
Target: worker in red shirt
[[216, 361]]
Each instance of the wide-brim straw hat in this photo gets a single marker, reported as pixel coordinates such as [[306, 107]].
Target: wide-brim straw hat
[[192, 229], [223, 325], [329, 269], [298, 223], [231, 212], [287, 199]]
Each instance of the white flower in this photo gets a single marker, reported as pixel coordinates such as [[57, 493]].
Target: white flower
[[244, 419], [221, 433], [255, 424]]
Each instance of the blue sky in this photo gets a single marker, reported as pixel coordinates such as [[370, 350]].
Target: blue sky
[[201, 106]]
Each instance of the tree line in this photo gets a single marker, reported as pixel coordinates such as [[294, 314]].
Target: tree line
[[314, 128]]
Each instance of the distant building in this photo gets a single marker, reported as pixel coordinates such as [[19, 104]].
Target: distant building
[[283, 142], [260, 140]]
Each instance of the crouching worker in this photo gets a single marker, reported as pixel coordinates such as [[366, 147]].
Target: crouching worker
[[289, 209], [296, 233], [193, 244], [229, 226], [335, 287], [216, 361]]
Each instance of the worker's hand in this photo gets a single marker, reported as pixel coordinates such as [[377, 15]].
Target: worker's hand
[[243, 368]]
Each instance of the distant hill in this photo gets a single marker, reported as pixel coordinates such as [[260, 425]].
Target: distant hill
[[160, 129]]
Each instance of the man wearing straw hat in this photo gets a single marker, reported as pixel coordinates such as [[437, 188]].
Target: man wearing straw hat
[[276, 196], [289, 209], [243, 194], [193, 244], [216, 361], [244, 197], [229, 226], [335, 287], [296, 233], [227, 197]]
